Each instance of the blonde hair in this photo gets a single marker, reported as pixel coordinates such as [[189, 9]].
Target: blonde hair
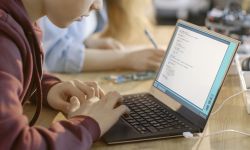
[[128, 19], [246, 5]]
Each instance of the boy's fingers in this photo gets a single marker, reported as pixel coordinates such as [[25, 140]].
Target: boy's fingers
[[122, 109], [101, 93], [63, 106], [98, 89], [95, 87], [74, 104], [84, 88], [78, 93], [113, 98]]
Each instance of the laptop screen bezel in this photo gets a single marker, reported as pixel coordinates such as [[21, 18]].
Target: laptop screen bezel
[[173, 104]]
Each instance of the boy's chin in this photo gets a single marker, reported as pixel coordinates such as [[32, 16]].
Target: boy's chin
[[62, 24]]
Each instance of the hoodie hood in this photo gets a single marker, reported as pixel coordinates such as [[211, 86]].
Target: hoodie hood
[[32, 68]]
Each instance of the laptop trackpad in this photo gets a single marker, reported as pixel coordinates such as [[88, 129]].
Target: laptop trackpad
[[120, 131]]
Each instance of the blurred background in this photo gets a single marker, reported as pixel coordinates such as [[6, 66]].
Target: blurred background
[[228, 17], [195, 11]]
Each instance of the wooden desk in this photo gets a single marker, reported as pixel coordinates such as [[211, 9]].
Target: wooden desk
[[232, 116]]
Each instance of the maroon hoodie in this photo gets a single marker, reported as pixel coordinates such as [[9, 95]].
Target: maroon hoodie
[[21, 75]]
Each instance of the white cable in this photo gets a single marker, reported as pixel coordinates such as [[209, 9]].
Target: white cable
[[201, 135], [190, 135], [227, 99], [228, 130]]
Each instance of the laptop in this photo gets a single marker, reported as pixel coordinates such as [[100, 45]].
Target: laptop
[[184, 90]]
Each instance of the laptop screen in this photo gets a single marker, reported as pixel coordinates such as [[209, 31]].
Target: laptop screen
[[194, 68]]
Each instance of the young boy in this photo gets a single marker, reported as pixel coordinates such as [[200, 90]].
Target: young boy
[[22, 79]]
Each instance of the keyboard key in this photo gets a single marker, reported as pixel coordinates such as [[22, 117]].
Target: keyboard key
[[134, 123], [130, 120], [156, 125], [153, 122], [177, 127], [152, 129], [160, 127], [146, 125]]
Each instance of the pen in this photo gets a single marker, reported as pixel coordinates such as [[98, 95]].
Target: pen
[[149, 36]]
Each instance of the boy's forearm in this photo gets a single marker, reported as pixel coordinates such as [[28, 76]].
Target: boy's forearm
[[97, 60]]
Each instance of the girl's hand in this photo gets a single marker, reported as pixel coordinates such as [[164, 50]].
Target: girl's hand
[[144, 60]]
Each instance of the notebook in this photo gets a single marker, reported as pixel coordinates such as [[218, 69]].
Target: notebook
[[184, 91]]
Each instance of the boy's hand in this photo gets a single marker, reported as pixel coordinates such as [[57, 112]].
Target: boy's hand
[[104, 43], [105, 111], [59, 95]]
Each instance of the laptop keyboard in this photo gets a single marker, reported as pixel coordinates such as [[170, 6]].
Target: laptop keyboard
[[148, 116]]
